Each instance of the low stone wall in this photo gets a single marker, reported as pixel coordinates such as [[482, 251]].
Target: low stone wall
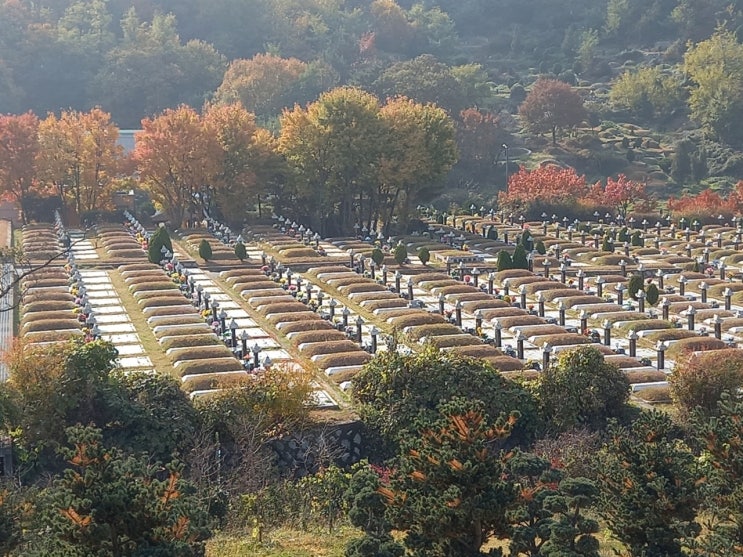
[[302, 453]]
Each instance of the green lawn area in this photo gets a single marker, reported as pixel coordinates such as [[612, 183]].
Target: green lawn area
[[284, 542]]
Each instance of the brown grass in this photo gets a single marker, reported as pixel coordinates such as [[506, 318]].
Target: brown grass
[[185, 309], [264, 293], [182, 331], [440, 283], [317, 336], [423, 277], [198, 367], [694, 345], [291, 317], [564, 339], [300, 326], [45, 297], [624, 362], [644, 376], [420, 318], [505, 363], [572, 301], [208, 339], [234, 273], [159, 301], [668, 334], [418, 332], [454, 340], [358, 357], [43, 282], [512, 273], [377, 295], [362, 287], [298, 252], [166, 320], [645, 325], [256, 284], [210, 381], [516, 282], [133, 267], [397, 302], [280, 306], [550, 295], [519, 320], [50, 325], [454, 289], [133, 252], [332, 347], [529, 331], [189, 353]]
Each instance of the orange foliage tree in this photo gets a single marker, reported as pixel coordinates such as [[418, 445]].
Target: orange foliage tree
[[80, 156], [19, 146], [176, 157], [708, 204], [545, 185]]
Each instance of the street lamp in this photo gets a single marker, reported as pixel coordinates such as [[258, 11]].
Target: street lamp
[[505, 149]]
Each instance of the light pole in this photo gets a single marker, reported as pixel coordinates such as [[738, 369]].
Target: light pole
[[505, 149]]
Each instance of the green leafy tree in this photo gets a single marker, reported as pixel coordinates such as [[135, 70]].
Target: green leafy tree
[[647, 92], [240, 252], [394, 390], [634, 285], [519, 258], [160, 238], [607, 244], [647, 478], [652, 294], [367, 511], [401, 253], [721, 482], [504, 261], [548, 516], [205, 250], [377, 255], [636, 240], [581, 388], [424, 255], [448, 493], [106, 503], [539, 246], [715, 67]]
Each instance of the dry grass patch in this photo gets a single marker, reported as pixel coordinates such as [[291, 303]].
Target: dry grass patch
[[455, 340], [440, 329], [332, 347], [420, 318], [291, 317], [215, 365], [212, 381], [357, 358], [254, 283], [207, 339], [301, 326], [572, 301], [651, 339], [562, 292], [50, 325], [174, 320], [43, 283], [471, 297], [698, 344], [518, 282], [152, 286], [505, 364], [298, 252], [265, 293], [621, 316], [431, 285], [172, 331], [564, 339], [127, 253], [280, 306], [490, 304], [533, 330], [189, 353], [644, 376], [174, 295], [328, 335], [376, 304]]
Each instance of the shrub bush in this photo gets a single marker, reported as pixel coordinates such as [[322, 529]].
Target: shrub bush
[[159, 239], [401, 253], [240, 251], [205, 250], [698, 380], [424, 255]]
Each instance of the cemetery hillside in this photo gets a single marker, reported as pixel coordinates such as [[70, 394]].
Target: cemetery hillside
[[333, 278]]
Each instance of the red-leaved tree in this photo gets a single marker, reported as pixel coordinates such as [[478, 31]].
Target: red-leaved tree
[[552, 105], [621, 193], [545, 185]]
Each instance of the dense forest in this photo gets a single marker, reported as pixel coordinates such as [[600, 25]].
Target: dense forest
[[660, 84]]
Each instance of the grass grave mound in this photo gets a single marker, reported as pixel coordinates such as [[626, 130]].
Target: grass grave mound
[[209, 352], [418, 318], [317, 336], [644, 376], [332, 347], [565, 339], [182, 331], [454, 340], [167, 320], [211, 365], [49, 325], [301, 326], [660, 394], [343, 359], [423, 331], [208, 339], [52, 336], [396, 302], [269, 306], [160, 301], [50, 305], [214, 381], [40, 315], [698, 344]]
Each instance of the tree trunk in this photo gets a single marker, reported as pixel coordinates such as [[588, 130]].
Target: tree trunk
[[554, 135]]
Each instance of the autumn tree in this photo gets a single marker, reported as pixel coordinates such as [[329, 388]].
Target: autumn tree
[[449, 493], [261, 84], [715, 67], [19, 147], [621, 193], [80, 156], [419, 151], [544, 185], [647, 478], [333, 146], [705, 205], [108, 503], [646, 92], [480, 136], [176, 156], [551, 105]]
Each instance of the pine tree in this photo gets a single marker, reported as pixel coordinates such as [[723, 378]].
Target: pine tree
[[377, 255], [205, 250], [424, 255], [519, 258], [240, 252], [504, 261], [401, 253], [159, 239], [652, 294], [635, 284]]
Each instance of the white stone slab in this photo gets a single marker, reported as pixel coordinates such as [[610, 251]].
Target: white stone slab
[[103, 294], [265, 342], [85, 273], [112, 318], [118, 340], [275, 355], [130, 349], [135, 361], [117, 328], [103, 310], [254, 332], [91, 281]]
